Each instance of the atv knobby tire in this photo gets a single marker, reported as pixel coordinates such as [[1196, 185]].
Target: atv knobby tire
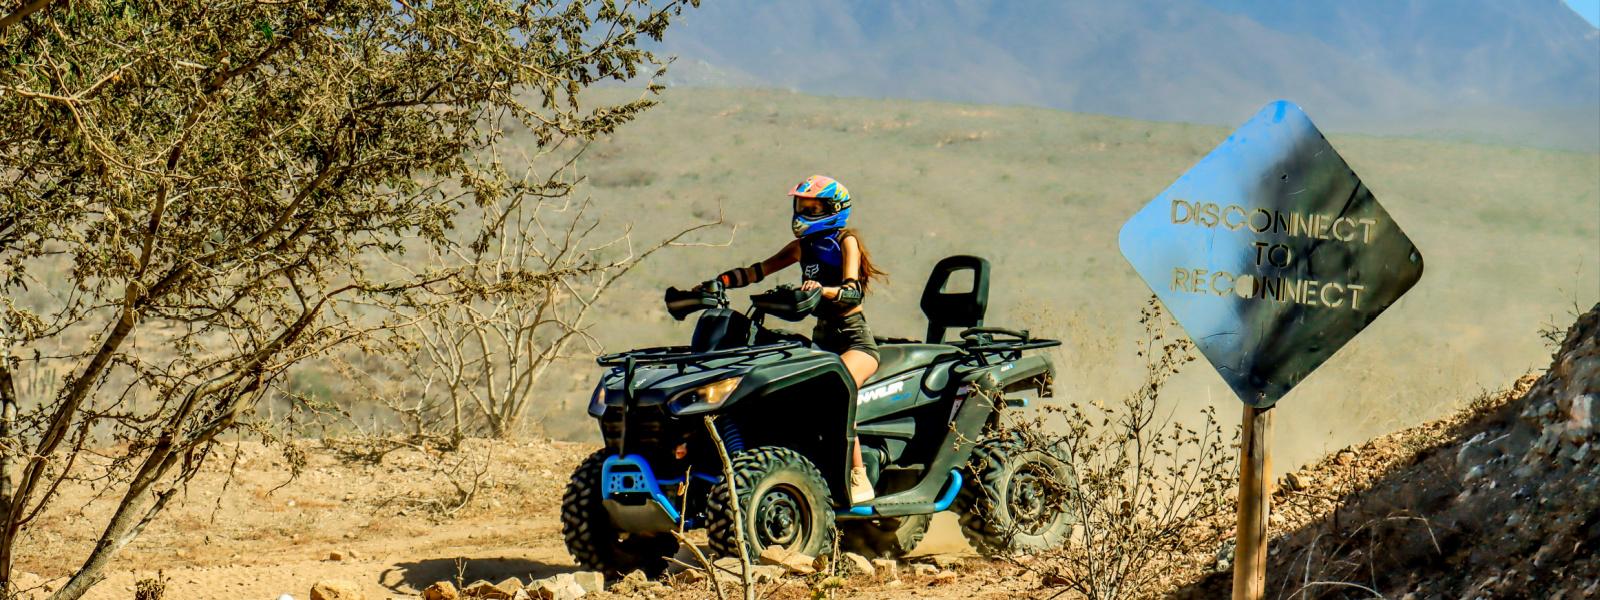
[[891, 538], [783, 500], [1015, 499], [591, 538]]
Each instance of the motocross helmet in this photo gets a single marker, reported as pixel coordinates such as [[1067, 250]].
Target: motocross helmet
[[835, 205]]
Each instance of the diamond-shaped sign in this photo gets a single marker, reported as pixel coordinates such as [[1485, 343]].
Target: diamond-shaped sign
[[1271, 254]]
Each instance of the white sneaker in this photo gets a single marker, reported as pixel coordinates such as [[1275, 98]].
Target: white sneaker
[[860, 486]]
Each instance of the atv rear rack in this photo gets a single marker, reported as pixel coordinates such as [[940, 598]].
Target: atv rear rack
[[979, 342]]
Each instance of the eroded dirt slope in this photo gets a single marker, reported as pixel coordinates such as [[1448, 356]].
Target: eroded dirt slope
[[1499, 501]]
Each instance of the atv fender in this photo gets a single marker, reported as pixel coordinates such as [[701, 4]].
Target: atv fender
[[806, 404], [1029, 372]]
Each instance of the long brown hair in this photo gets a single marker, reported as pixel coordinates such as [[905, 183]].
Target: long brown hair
[[868, 272]]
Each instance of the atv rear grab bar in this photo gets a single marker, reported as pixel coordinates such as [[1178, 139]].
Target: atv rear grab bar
[[982, 351], [976, 331]]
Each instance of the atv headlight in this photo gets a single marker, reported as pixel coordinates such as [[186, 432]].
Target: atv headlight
[[711, 395]]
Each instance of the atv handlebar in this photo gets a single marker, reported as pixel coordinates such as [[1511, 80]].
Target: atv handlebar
[[785, 302], [682, 303]]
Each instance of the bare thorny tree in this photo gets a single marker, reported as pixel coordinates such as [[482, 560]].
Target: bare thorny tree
[[1146, 490], [525, 294], [194, 192]]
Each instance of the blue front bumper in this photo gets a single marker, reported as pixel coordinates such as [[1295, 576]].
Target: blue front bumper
[[631, 475]]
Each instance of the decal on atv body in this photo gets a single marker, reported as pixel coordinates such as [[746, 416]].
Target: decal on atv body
[[884, 389]]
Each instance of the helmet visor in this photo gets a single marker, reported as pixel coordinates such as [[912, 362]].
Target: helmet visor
[[812, 207]]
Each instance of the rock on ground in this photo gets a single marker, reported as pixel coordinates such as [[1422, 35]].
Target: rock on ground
[[590, 581], [565, 586], [889, 568], [794, 562], [856, 563], [488, 591], [443, 590], [336, 589]]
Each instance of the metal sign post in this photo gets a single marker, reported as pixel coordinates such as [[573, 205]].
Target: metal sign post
[[1271, 254]]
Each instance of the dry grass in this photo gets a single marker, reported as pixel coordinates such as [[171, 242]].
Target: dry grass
[[1508, 234]]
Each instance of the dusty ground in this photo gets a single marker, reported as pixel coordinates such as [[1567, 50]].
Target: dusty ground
[[244, 536], [1495, 501], [246, 530]]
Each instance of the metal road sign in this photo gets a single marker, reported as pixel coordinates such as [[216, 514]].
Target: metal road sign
[[1271, 254]]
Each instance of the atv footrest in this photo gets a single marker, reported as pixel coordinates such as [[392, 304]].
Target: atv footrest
[[952, 487]]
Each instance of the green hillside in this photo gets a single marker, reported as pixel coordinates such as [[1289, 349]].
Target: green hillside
[[1510, 235]]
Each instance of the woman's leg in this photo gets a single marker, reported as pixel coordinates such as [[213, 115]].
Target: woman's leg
[[861, 366]]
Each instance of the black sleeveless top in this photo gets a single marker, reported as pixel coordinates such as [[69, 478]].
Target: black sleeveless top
[[822, 261]]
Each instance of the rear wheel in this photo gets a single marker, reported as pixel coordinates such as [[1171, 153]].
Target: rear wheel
[[1015, 500], [884, 538], [591, 538], [783, 501]]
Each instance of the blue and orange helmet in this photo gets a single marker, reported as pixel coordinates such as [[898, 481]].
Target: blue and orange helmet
[[835, 205]]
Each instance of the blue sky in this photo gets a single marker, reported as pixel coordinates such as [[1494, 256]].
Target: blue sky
[[1590, 9]]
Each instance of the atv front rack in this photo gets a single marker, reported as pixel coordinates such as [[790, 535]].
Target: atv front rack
[[678, 355]]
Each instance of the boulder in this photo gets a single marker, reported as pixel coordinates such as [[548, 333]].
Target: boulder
[[944, 577], [443, 590], [922, 570], [336, 589], [1299, 482]]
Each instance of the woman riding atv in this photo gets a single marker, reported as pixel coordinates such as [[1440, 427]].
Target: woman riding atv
[[833, 259]]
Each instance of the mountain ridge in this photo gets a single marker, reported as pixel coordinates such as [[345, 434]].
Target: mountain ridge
[[1361, 67]]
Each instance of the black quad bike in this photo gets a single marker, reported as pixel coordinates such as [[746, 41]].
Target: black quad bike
[[787, 414]]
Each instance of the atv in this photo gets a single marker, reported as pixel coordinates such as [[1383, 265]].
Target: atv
[[787, 415]]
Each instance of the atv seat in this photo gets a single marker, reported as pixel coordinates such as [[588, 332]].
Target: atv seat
[[946, 309], [894, 359]]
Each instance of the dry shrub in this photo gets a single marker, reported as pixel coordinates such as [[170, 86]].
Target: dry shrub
[[1145, 489]]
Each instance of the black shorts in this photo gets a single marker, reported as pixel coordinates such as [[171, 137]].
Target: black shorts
[[843, 334]]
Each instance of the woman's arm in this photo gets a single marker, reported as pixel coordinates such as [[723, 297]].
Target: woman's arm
[[790, 254], [743, 276]]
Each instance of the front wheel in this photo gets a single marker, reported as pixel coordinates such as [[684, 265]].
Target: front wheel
[[782, 499], [591, 538], [1016, 499]]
